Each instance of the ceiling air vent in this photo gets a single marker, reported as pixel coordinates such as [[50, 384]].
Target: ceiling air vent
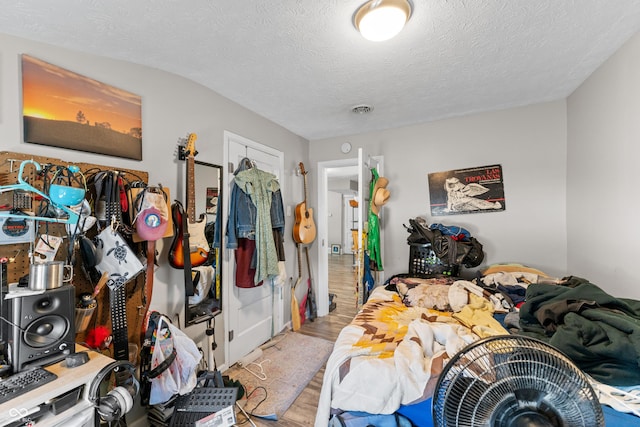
[[362, 109]]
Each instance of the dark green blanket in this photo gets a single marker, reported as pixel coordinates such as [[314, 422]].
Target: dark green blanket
[[600, 333]]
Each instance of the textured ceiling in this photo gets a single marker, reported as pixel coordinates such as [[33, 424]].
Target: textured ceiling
[[301, 63]]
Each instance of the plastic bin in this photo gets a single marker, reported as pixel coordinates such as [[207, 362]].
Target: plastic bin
[[423, 261]]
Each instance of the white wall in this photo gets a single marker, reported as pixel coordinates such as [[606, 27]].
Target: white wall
[[602, 186], [529, 143], [172, 107], [349, 223], [339, 228], [334, 202]]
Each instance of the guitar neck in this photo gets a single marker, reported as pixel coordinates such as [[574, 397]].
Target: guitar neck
[[305, 189], [191, 190]]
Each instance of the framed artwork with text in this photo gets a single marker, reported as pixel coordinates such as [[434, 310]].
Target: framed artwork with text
[[463, 191]]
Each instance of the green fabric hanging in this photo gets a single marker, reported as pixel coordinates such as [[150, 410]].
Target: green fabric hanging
[[373, 234]]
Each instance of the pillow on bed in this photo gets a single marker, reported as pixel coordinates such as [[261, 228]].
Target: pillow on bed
[[429, 296], [403, 284], [443, 297], [512, 268]]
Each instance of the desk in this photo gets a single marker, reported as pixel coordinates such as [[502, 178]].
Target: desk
[[68, 379]]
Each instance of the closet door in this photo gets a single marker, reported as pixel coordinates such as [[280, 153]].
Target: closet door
[[251, 315]]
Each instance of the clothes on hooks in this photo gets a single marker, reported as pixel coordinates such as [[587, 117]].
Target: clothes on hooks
[[256, 224], [373, 236]]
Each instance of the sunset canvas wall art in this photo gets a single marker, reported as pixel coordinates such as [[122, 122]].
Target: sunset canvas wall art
[[67, 110]]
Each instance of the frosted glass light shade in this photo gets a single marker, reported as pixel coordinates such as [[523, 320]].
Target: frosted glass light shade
[[379, 20]]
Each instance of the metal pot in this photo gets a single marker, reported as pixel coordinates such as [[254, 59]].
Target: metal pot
[[49, 275]]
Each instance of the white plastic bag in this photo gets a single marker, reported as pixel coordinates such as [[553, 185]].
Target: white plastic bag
[[165, 385], [181, 376], [187, 358]]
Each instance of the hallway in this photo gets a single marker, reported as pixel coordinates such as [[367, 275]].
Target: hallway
[[341, 284]]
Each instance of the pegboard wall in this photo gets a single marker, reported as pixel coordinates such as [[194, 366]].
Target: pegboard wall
[[19, 254]]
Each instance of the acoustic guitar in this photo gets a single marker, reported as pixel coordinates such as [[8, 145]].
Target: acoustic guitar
[[304, 229], [198, 249]]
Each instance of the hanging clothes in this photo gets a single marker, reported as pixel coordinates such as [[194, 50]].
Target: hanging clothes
[[256, 218], [373, 241]]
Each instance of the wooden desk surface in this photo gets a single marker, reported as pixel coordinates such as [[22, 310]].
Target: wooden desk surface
[[68, 379]]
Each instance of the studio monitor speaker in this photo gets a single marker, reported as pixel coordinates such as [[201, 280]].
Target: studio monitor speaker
[[42, 329]]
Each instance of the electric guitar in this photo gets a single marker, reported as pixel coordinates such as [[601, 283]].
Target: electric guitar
[[190, 277], [198, 250], [304, 229]]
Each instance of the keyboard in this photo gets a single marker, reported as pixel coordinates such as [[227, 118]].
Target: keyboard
[[206, 399], [201, 402], [23, 382]]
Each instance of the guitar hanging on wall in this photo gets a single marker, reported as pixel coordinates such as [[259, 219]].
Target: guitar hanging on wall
[[304, 229], [198, 247]]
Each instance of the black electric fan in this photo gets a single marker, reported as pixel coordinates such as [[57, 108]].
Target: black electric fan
[[514, 381]]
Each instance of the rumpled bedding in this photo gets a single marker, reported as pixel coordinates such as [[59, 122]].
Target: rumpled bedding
[[598, 332], [393, 352], [391, 355]]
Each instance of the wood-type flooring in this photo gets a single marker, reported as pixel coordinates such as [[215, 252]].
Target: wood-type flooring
[[341, 283]]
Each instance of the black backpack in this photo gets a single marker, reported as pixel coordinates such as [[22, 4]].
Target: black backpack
[[450, 251]]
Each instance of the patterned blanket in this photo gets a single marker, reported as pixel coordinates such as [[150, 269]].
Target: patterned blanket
[[390, 355]]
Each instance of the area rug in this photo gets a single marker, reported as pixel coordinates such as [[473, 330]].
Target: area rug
[[284, 369]]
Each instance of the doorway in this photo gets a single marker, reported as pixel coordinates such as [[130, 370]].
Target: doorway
[[252, 315], [349, 169], [342, 230]]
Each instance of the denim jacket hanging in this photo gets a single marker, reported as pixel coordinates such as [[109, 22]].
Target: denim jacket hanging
[[252, 185]]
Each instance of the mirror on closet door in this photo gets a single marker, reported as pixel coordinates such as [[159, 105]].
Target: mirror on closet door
[[207, 299]]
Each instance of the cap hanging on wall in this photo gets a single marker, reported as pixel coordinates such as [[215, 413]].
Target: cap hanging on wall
[[152, 219], [151, 225]]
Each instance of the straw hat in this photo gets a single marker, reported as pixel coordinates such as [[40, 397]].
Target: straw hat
[[380, 194]]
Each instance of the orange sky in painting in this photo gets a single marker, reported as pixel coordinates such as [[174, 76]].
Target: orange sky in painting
[[51, 92]]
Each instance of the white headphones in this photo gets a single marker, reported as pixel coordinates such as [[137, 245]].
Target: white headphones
[[118, 401]]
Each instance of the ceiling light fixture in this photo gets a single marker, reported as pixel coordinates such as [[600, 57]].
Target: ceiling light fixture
[[379, 20]]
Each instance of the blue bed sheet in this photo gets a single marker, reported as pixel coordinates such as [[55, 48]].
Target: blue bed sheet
[[420, 415]]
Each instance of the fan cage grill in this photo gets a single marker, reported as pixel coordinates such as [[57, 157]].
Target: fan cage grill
[[496, 379]]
